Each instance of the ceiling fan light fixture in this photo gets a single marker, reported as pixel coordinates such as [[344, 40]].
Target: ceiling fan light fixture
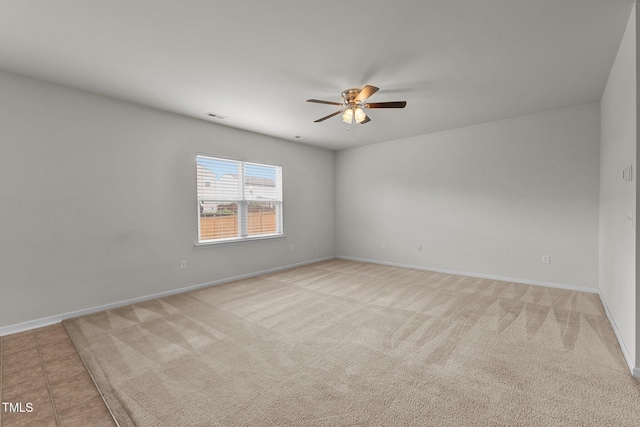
[[360, 115], [354, 103], [347, 116]]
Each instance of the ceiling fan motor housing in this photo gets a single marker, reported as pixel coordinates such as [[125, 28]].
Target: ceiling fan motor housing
[[350, 95]]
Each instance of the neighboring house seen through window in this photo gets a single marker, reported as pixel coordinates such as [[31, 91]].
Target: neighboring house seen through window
[[237, 200]]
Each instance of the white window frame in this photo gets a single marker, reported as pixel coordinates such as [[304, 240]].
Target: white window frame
[[242, 202]]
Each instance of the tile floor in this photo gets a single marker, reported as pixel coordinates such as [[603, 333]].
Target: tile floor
[[43, 382]]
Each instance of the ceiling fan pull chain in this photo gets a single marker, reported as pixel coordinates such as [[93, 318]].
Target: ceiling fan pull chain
[[352, 129]]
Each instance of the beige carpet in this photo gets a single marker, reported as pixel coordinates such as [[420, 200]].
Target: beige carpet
[[344, 343]]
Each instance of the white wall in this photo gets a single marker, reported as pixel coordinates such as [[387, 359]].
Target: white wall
[[99, 201], [618, 197], [488, 200]]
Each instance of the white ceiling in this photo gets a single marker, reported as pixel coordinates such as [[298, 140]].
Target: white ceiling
[[455, 62]]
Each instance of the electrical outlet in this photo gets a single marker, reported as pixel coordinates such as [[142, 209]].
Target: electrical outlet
[[419, 248], [383, 245], [546, 259], [183, 264], [291, 247]]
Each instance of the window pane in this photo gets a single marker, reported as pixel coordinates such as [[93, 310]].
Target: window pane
[[261, 218], [222, 176], [219, 224], [261, 182]]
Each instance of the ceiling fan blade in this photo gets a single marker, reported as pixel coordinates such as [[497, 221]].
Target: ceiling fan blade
[[393, 104], [366, 92], [327, 117], [366, 120], [318, 101]]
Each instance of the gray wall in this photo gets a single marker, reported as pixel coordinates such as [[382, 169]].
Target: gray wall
[[618, 197], [488, 200], [99, 201]]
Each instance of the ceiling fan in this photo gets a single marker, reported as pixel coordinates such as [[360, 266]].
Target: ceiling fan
[[354, 104]]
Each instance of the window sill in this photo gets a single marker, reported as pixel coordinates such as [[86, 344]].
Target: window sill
[[233, 241]]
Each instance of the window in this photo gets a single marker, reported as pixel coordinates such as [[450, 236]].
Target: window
[[237, 200]]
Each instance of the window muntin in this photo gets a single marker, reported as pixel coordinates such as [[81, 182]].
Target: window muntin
[[237, 200]]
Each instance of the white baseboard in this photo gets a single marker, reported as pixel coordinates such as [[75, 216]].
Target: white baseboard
[[46, 321], [635, 370], [482, 276]]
